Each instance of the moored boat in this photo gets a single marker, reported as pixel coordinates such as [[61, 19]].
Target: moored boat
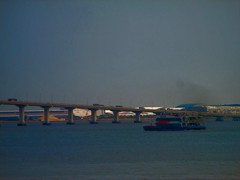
[[195, 126], [175, 123], [165, 123], [194, 123]]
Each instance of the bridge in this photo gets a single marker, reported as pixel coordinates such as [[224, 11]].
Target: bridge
[[93, 108]]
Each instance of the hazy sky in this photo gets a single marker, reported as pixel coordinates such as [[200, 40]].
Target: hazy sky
[[128, 52]]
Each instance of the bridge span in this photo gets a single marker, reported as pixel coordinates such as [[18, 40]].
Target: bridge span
[[93, 108]]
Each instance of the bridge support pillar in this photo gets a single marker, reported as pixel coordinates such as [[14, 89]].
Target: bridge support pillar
[[70, 116], [116, 117], [138, 117], [22, 121], [94, 116], [46, 115]]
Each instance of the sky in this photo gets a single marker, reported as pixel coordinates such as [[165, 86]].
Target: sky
[[128, 52]]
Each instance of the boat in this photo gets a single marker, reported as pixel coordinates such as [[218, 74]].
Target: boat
[[193, 123], [175, 123], [195, 126], [219, 119], [236, 118], [166, 123]]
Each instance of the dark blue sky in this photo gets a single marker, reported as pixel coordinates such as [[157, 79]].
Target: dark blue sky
[[129, 52]]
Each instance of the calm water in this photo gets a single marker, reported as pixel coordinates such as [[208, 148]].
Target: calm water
[[118, 151]]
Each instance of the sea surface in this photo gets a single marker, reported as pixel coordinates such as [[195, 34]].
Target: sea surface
[[118, 151]]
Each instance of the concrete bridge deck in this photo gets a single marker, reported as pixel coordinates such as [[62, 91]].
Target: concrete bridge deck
[[115, 109]]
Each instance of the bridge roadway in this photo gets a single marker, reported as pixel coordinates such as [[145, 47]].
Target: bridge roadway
[[115, 109], [46, 106]]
